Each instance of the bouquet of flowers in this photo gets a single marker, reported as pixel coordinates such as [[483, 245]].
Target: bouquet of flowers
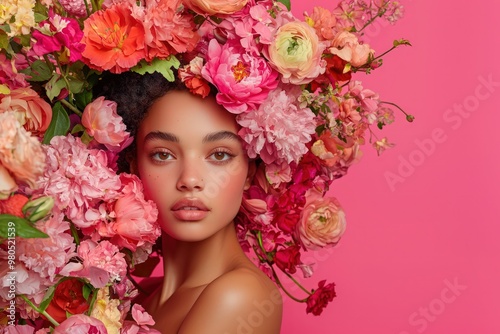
[[72, 228]]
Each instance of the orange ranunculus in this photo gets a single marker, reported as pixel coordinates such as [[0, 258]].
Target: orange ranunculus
[[68, 297], [114, 39], [214, 7], [31, 110]]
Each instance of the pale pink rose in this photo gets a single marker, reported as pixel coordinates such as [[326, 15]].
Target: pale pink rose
[[346, 46], [81, 324], [322, 223], [21, 154], [296, 53], [214, 7], [31, 110], [103, 123], [7, 183]]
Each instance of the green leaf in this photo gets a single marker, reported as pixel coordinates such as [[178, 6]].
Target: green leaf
[[82, 99], [47, 298], [38, 71], [87, 289], [286, 3], [401, 41], [20, 226], [4, 40], [163, 66], [54, 86], [59, 125], [75, 85]]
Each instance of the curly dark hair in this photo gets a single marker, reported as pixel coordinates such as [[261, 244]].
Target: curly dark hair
[[134, 94]]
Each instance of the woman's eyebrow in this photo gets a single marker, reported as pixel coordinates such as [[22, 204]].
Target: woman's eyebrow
[[220, 135], [162, 136]]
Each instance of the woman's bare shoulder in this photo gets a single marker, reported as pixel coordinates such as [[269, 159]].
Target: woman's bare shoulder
[[240, 300]]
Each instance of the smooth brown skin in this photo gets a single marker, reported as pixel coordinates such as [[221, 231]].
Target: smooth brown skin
[[210, 286]]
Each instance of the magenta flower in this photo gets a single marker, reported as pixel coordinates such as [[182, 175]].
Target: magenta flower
[[59, 34], [243, 80]]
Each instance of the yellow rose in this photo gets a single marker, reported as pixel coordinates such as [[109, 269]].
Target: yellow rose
[[106, 310]]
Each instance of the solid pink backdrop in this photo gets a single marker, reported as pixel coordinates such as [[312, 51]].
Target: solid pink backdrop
[[421, 251]]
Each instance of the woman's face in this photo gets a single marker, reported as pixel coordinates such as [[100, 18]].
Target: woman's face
[[192, 164]]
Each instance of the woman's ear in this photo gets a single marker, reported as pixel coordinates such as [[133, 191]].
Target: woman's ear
[[252, 169]]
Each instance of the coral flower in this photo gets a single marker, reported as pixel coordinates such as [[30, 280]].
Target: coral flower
[[114, 39]]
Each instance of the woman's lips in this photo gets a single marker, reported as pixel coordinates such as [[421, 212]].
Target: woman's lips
[[189, 209]]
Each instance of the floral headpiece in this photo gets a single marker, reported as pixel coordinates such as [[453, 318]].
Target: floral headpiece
[[70, 225]]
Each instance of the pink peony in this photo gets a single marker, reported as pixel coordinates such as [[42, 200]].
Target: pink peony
[[279, 130], [103, 255], [71, 165], [296, 53], [243, 80], [135, 221], [59, 34], [322, 223], [215, 7], [80, 324], [167, 30], [21, 154], [47, 256], [103, 123], [17, 329], [31, 110]]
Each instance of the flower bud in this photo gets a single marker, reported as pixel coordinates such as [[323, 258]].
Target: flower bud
[[38, 208]]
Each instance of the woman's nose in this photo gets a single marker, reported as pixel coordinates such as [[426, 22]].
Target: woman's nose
[[191, 176]]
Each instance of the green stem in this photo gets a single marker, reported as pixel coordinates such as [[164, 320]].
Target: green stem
[[409, 117], [45, 314], [285, 290], [296, 282], [71, 107]]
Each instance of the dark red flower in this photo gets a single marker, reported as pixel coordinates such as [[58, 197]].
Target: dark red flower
[[320, 298], [335, 69], [287, 259]]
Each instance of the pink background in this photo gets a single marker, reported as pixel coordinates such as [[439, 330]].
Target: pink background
[[437, 226]]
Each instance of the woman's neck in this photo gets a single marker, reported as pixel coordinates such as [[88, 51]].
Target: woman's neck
[[194, 264]]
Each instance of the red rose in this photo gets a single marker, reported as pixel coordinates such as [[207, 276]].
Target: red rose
[[335, 69], [320, 298], [287, 259], [68, 297]]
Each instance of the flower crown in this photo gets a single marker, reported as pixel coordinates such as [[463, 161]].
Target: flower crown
[[289, 82]]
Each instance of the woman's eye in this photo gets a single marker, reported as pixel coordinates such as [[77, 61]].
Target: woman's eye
[[161, 156], [221, 156]]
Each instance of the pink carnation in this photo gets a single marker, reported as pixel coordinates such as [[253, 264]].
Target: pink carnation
[[76, 7], [103, 123], [167, 30], [279, 130], [72, 166], [243, 81], [47, 256]]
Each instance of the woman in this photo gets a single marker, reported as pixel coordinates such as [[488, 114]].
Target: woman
[[191, 161]]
